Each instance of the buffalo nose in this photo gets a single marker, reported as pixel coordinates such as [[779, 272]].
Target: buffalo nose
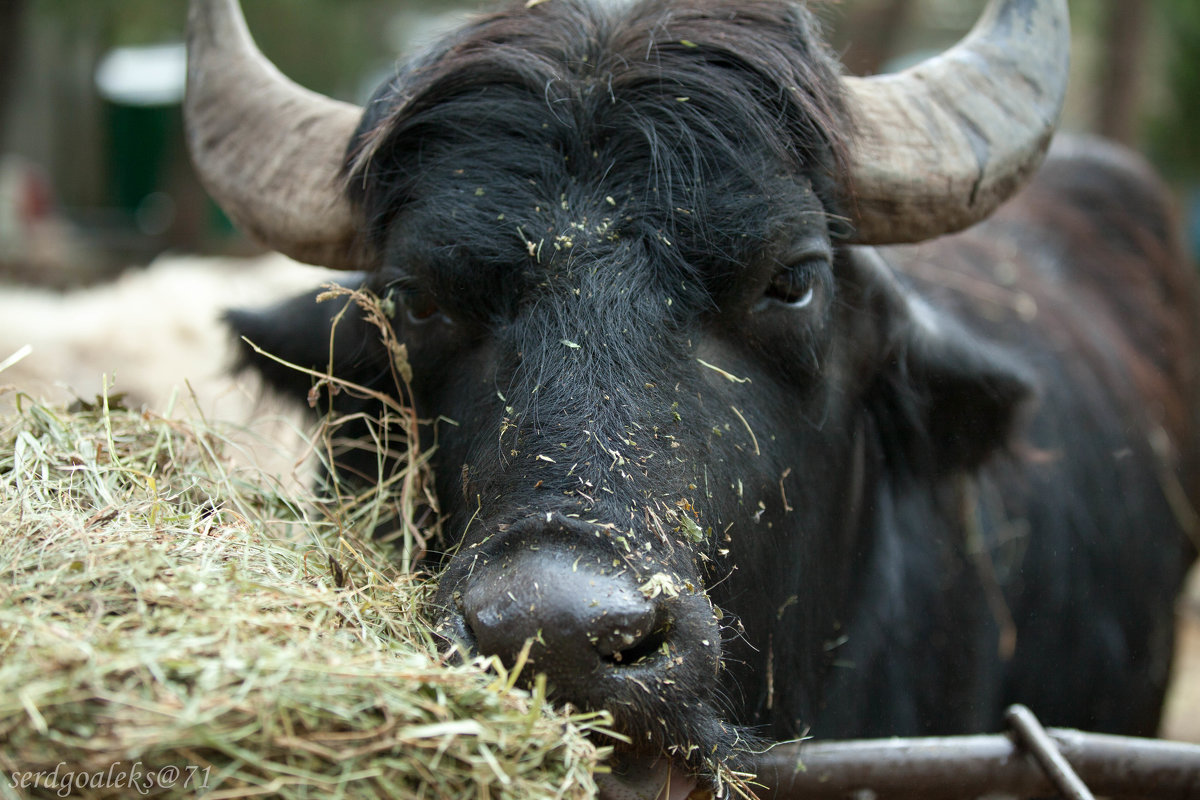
[[579, 618]]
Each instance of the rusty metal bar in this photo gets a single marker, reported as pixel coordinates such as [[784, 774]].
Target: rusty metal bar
[[960, 767], [1033, 737]]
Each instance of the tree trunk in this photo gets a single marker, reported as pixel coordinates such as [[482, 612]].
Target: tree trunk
[[12, 19], [1120, 93]]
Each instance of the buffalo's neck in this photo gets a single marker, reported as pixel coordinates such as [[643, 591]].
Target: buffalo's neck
[[871, 653], [924, 644], [794, 601]]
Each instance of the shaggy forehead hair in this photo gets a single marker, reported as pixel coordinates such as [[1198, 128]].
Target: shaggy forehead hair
[[653, 99]]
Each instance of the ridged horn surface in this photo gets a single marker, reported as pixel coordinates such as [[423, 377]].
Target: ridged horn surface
[[939, 146], [269, 151]]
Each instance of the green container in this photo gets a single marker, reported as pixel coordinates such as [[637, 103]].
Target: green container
[[142, 88]]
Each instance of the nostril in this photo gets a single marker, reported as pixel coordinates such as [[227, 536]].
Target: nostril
[[634, 635], [455, 639], [638, 648]]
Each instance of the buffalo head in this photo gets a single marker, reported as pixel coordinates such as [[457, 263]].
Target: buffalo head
[[618, 239]]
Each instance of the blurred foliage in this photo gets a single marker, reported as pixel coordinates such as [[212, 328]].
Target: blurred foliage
[[117, 22], [1174, 141], [326, 45]]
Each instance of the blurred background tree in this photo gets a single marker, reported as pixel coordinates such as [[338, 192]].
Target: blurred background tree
[[1174, 127]]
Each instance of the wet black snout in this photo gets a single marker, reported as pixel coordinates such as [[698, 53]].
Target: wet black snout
[[581, 617], [613, 623]]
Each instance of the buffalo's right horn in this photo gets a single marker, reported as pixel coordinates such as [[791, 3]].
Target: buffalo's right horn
[[943, 143], [269, 151]]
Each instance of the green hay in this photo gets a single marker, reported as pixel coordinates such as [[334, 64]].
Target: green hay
[[162, 608]]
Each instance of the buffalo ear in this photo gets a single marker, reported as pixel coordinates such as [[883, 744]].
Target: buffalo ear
[[943, 398], [300, 331]]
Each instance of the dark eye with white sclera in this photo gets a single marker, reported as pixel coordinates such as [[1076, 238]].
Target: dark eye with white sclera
[[795, 286], [419, 306]]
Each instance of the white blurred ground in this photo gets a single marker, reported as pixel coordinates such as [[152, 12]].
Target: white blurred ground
[[155, 336]]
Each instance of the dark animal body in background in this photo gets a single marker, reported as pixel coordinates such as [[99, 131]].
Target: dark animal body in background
[[735, 471]]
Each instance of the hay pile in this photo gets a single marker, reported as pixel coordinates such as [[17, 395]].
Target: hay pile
[[172, 624]]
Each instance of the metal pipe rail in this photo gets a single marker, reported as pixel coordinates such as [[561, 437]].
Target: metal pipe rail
[[959, 767]]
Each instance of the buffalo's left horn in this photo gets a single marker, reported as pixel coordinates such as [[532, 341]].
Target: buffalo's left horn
[[269, 151], [943, 143]]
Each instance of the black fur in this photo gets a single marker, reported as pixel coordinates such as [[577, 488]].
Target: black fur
[[594, 223]]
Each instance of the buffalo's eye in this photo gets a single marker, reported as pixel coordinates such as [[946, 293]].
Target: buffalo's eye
[[407, 301], [791, 286], [797, 284], [419, 306]]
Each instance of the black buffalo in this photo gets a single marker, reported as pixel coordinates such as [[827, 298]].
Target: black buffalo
[[733, 472]]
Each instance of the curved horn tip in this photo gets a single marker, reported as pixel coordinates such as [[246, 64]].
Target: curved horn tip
[[269, 151], [942, 144]]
